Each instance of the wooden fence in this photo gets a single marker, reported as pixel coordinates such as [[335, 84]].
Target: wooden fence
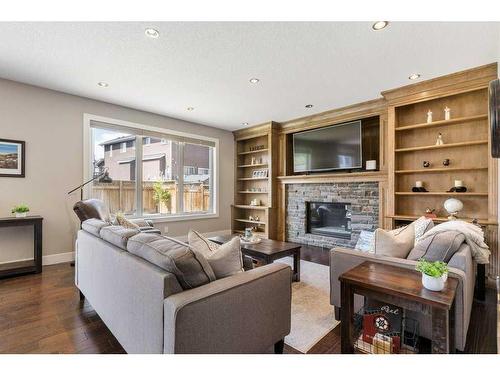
[[120, 197]]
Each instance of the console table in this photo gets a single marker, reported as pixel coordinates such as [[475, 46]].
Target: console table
[[24, 266], [403, 288]]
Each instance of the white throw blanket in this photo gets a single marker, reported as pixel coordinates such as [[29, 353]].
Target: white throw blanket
[[474, 237]]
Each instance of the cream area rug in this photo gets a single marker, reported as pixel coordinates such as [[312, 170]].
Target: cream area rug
[[312, 314]]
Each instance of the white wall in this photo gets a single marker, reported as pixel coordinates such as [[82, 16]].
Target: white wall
[[51, 123]]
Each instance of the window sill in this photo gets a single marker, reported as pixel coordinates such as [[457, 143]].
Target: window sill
[[185, 217]]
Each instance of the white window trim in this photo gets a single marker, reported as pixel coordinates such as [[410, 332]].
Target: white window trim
[[87, 163], [123, 147]]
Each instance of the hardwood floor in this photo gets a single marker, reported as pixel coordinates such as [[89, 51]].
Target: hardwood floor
[[42, 313]]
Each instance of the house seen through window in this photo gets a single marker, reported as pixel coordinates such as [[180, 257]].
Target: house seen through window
[[175, 176]]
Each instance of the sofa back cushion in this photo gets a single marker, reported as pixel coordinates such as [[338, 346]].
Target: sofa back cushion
[[118, 235], [94, 226], [225, 260], [190, 268], [439, 246]]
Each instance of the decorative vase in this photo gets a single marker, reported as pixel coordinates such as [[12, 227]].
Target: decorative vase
[[21, 214], [435, 284]]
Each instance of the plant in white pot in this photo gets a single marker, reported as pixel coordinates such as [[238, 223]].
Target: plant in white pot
[[21, 210], [434, 274]]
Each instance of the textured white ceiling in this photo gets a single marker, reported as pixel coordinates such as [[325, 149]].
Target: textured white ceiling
[[208, 65]]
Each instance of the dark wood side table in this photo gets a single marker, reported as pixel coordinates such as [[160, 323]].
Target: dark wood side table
[[25, 266], [401, 287], [268, 251]]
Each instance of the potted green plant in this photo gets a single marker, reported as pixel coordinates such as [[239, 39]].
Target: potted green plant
[[161, 195], [21, 210], [434, 274]]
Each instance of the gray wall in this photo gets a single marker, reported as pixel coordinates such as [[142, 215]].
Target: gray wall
[[51, 123]]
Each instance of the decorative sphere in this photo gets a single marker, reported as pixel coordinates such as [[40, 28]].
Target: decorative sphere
[[453, 205]]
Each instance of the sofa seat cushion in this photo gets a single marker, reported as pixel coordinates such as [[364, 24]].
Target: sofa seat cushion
[[118, 235], [225, 260], [94, 226], [440, 246], [190, 268]]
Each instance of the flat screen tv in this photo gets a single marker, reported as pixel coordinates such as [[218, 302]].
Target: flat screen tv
[[330, 148]]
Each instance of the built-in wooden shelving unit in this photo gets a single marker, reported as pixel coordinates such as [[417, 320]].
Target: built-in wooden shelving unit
[[466, 137], [256, 152]]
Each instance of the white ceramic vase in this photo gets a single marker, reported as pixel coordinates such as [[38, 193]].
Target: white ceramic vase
[[21, 214], [435, 284]]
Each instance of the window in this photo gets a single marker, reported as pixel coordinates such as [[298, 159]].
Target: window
[[175, 177]]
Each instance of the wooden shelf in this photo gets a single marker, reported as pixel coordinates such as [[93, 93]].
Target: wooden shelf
[[252, 192], [249, 207], [252, 178], [439, 170], [443, 193], [448, 145], [250, 221], [253, 152], [442, 219], [252, 165], [453, 121]]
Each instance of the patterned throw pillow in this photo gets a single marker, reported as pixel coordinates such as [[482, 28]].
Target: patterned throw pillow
[[422, 225], [225, 260], [124, 222], [366, 242]]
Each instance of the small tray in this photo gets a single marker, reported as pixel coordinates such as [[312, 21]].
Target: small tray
[[254, 241]]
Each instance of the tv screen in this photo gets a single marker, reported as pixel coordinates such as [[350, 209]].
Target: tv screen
[[329, 148]]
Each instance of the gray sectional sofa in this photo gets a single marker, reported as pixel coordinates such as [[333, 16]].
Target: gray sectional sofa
[[154, 296]]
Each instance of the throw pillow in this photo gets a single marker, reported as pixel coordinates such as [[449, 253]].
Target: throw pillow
[[422, 225], [440, 246], [225, 260], [124, 222], [366, 242], [395, 243]]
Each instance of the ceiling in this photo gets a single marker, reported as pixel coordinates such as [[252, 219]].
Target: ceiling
[[208, 65]]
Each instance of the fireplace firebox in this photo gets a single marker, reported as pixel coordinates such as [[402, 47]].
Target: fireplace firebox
[[329, 219]]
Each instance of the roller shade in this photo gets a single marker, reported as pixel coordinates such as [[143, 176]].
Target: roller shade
[[148, 133]]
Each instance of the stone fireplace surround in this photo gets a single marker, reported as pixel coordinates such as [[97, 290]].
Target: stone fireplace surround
[[364, 199]]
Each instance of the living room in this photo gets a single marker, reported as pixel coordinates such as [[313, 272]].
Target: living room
[[305, 187]]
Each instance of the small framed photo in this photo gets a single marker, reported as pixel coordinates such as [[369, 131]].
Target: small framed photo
[[12, 158]]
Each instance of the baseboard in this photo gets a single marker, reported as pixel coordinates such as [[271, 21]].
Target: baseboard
[[206, 234], [47, 260]]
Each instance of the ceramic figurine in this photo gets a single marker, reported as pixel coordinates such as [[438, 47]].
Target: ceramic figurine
[[447, 113], [439, 140], [429, 116], [446, 162], [429, 213], [426, 164]]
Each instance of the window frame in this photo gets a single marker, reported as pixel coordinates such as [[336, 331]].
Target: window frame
[[88, 167]]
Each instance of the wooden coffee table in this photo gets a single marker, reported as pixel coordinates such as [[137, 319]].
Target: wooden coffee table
[[268, 251], [401, 287]]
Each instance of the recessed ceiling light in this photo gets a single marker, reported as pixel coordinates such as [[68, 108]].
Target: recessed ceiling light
[[414, 76], [102, 84], [254, 80], [152, 33], [309, 105], [379, 25], [190, 108], [245, 124]]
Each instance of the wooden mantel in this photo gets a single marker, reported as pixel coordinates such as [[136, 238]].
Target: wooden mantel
[[377, 176]]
